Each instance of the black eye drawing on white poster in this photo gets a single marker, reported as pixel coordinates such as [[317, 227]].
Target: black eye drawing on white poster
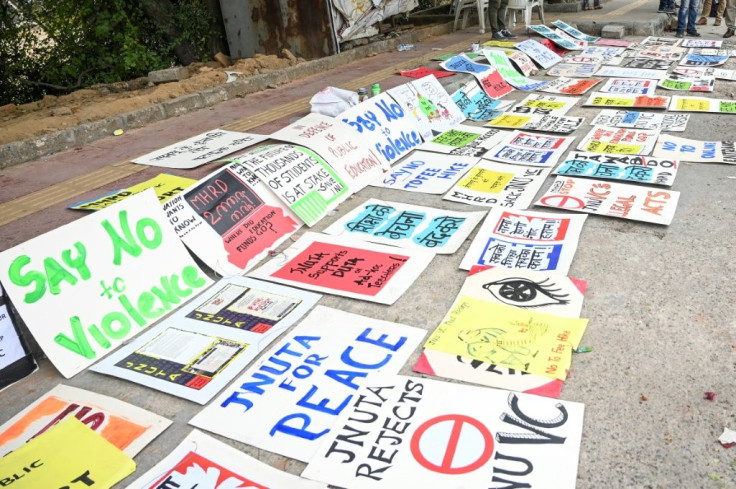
[[526, 293]]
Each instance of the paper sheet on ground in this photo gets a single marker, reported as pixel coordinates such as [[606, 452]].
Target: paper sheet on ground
[[166, 187], [695, 151], [574, 32], [545, 31], [618, 140], [618, 72], [641, 120], [599, 99], [426, 172], [716, 72], [570, 86], [501, 62], [489, 79], [557, 124], [629, 86], [638, 169], [579, 70], [525, 148], [687, 83], [544, 105], [476, 104], [702, 104], [16, 359], [465, 140], [541, 54]]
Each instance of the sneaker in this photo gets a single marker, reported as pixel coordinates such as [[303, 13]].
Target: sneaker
[[702, 21], [729, 33], [680, 34], [693, 33], [498, 35], [508, 34]]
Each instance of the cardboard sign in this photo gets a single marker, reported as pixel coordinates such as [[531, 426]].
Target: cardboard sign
[[618, 72], [701, 43], [493, 84], [200, 149], [695, 151], [85, 287], [67, 455], [346, 266], [230, 219], [476, 104], [599, 99], [127, 427], [450, 435], [620, 200], [465, 140], [536, 122], [702, 104], [356, 163], [575, 70], [578, 42], [713, 51], [500, 44], [659, 53], [198, 350], [524, 63], [291, 398], [201, 461], [490, 184], [427, 102], [648, 64], [700, 71], [445, 57], [427, 172], [384, 125], [614, 167], [461, 63], [423, 71], [700, 60], [659, 41], [542, 55], [298, 176], [544, 105], [166, 187], [574, 32], [570, 86], [610, 140], [554, 47], [630, 86], [605, 53], [525, 240], [501, 62], [676, 81], [545, 31], [530, 149], [490, 80], [407, 226]]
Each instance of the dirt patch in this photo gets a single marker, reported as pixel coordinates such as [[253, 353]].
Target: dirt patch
[[52, 113]]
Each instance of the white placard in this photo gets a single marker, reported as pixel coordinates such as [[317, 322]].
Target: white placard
[[574, 32], [85, 287], [525, 240], [574, 70], [563, 42], [498, 60], [544, 105], [407, 226], [525, 148], [701, 43], [11, 349], [200, 149], [618, 140], [641, 120], [701, 71], [465, 140], [695, 151], [703, 60], [427, 96], [636, 86], [541, 54], [688, 83], [557, 124], [599, 99], [681, 103], [638, 169], [659, 41], [570, 86], [427, 172], [288, 401], [619, 72]]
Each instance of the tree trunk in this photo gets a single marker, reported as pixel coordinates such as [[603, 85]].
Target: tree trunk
[[160, 11]]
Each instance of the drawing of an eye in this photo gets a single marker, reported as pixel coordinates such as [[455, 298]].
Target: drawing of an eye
[[523, 292]]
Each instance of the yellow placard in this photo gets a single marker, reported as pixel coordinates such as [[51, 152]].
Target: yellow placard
[[509, 120], [500, 44], [509, 336], [595, 146], [69, 454], [166, 187], [695, 104], [487, 181], [613, 101], [544, 104]]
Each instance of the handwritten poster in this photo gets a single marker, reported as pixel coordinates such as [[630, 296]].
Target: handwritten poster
[[702, 104], [346, 266], [638, 169], [490, 184], [525, 240], [525, 148], [624, 201], [676, 81], [230, 219], [200, 149], [198, 350], [535, 122], [299, 177], [615, 42], [291, 398], [127, 427], [604, 53], [701, 60], [570, 86], [423, 71], [661, 53], [641, 120], [564, 43], [630, 86], [618, 140], [489, 79], [701, 43], [575, 70], [574, 32], [659, 41], [648, 64], [431, 107], [499, 61], [624, 72], [452, 436], [542, 55], [67, 455], [524, 63], [465, 140], [544, 105], [166, 187], [695, 151], [80, 288], [355, 162], [701, 71], [427, 172], [407, 226], [205, 462], [598, 99], [476, 104]]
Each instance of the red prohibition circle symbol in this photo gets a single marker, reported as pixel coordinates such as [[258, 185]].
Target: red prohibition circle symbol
[[452, 444], [562, 201]]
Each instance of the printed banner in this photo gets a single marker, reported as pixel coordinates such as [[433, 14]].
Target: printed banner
[[598, 99], [346, 266], [200, 149], [535, 122], [166, 187], [465, 140], [67, 455], [545, 105], [201, 461], [611, 140], [426, 172], [125, 426], [641, 120], [429, 104], [545, 31], [574, 32], [700, 60], [423, 71], [300, 178], [676, 81], [85, 287], [490, 184], [293, 395], [618, 72], [501, 62], [620, 200], [476, 104], [541, 54], [199, 349], [525, 240], [355, 162], [629, 86], [684, 149], [230, 219], [699, 71], [637, 169], [570, 86], [702, 104], [648, 64], [451, 435], [574, 70], [407, 226], [530, 149]]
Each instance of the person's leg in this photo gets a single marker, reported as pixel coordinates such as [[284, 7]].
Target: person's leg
[[719, 13], [682, 17], [503, 8], [692, 16], [493, 6], [706, 12], [501, 14], [597, 4], [730, 14]]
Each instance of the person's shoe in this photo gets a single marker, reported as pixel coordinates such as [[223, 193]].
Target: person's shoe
[[693, 33], [670, 11], [498, 35], [717, 22], [598, 7], [729, 33], [680, 34], [702, 21], [508, 34]]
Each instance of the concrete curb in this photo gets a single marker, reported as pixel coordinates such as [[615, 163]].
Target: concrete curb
[[652, 27], [18, 152]]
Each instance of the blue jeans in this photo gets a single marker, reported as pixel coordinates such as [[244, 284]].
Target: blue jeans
[[688, 15]]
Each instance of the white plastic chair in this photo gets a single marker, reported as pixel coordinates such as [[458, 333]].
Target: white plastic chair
[[526, 6], [464, 6]]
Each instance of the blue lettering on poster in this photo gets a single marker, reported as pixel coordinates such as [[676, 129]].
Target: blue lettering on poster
[[506, 254]]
